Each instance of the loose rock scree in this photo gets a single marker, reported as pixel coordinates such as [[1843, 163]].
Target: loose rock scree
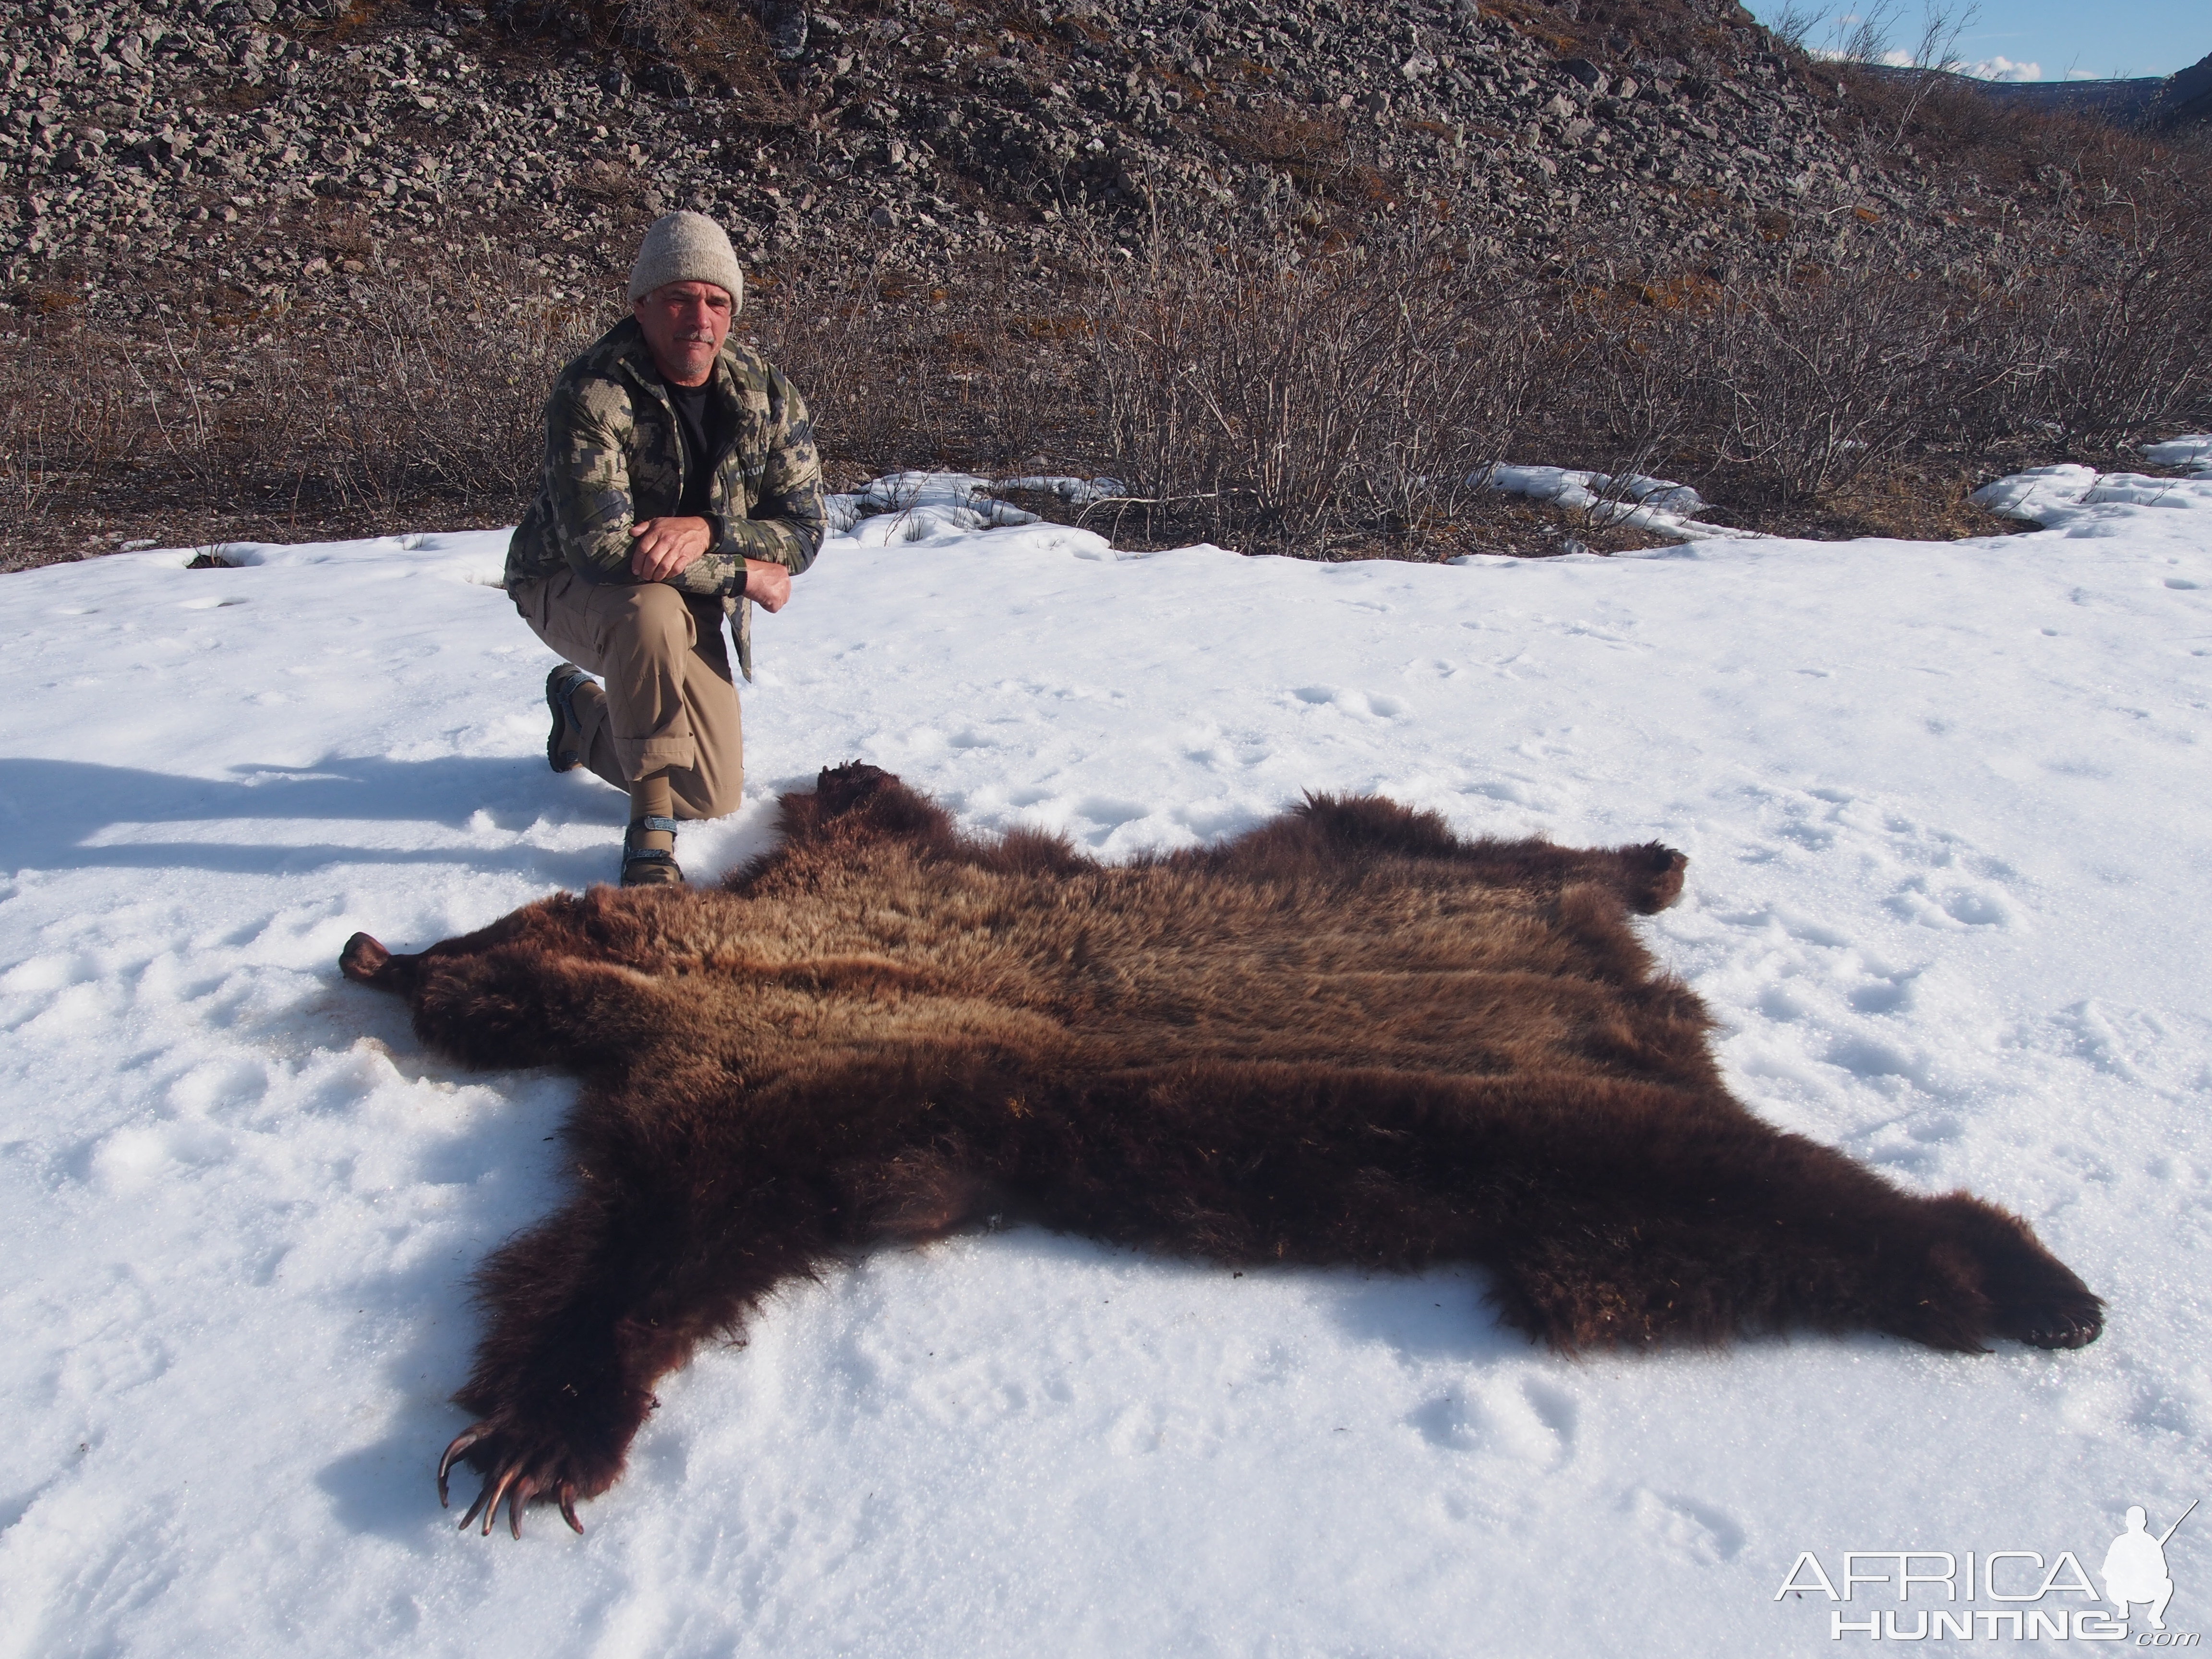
[[1347, 1036]]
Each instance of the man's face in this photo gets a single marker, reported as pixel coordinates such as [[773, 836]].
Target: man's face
[[684, 325]]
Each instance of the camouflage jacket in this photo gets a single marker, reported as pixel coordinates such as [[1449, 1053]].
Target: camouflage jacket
[[613, 456]]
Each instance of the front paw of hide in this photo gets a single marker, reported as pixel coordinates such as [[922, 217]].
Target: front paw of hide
[[2064, 1321], [1655, 877], [519, 1468]]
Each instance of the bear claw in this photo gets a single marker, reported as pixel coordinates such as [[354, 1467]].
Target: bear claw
[[2075, 1330], [461, 1441], [504, 1484]]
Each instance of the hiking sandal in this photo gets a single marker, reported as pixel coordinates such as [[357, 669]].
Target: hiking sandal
[[564, 744], [648, 866]]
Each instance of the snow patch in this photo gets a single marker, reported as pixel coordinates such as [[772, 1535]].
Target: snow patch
[[2193, 451], [1658, 505], [1947, 812], [919, 506], [2085, 502]]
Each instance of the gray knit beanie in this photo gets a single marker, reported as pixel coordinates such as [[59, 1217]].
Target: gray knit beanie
[[687, 247]]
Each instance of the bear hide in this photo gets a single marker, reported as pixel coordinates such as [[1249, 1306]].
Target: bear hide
[[1347, 1036]]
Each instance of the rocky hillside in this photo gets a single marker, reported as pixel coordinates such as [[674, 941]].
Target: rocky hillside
[[229, 156], [274, 267]]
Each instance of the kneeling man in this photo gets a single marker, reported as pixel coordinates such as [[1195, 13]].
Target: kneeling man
[[680, 485]]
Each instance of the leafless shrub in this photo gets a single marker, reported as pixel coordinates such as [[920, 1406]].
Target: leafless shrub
[[899, 373], [48, 441], [658, 25], [1301, 405], [1792, 26], [1625, 360], [682, 43], [606, 182], [1812, 379], [437, 392], [1797, 385], [1863, 33], [1281, 132], [430, 394], [1315, 406], [2106, 352]]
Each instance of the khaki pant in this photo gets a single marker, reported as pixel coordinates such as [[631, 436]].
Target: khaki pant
[[669, 701]]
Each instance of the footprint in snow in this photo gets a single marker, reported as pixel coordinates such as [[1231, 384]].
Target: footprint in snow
[[1527, 1421], [1950, 905], [128, 1160], [1700, 1535], [1111, 811], [218, 1085], [1885, 993], [1864, 1057], [51, 973], [1361, 705]]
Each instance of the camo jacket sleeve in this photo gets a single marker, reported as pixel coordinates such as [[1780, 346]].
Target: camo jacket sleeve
[[767, 492], [588, 496]]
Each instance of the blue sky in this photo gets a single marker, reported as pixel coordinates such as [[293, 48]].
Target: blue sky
[[2054, 37]]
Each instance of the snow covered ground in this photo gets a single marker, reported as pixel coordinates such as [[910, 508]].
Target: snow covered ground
[[1949, 815]]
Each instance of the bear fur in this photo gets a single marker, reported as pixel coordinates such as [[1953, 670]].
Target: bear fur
[[1346, 1037]]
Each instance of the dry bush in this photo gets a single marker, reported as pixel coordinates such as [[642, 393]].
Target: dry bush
[[1617, 381], [2109, 351], [981, 376], [1304, 405], [1952, 125], [1281, 132], [1316, 406], [425, 401], [675, 46], [68, 413], [437, 392], [1792, 390], [429, 397], [1810, 380], [658, 25]]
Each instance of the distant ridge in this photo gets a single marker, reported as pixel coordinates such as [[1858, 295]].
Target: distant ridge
[[2149, 103]]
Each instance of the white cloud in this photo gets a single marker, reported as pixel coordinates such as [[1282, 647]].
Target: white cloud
[[1992, 69], [2001, 68]]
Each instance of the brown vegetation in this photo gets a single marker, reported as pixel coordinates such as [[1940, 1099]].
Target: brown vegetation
[[429, 399], [1276, 396]]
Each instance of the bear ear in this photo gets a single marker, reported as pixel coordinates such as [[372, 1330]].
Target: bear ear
[[839, 789], [1373, 823], [857, 802]]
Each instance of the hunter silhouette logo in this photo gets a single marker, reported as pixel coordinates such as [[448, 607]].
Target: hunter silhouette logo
[[1999, 1594], [2134, 1566]]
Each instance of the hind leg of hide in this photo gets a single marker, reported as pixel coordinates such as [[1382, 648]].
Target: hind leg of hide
[[2032, 1297], [1350, 831], [1816, 1241], [1614, 1213]]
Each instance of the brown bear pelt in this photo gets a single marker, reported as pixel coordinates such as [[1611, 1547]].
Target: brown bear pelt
[[1345, 1037]]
